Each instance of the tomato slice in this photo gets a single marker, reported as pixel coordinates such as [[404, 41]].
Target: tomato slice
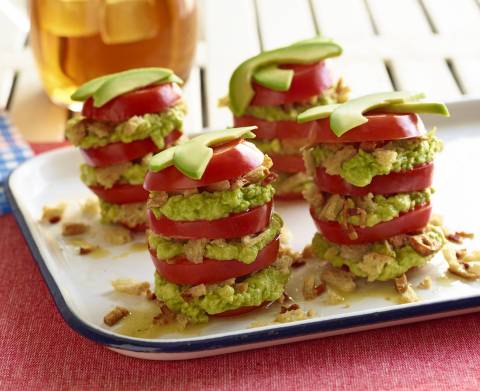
[[237, 312], [229, 161], [409, 222], [379, 127], [121, 193], [211, 271], [151, 99], [233, 226], [308, 81], [418, 178], [287, 163], [288, 196], [268, 130], [119, 152]]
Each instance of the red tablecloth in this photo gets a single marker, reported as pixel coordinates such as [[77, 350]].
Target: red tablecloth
[[39, 351]]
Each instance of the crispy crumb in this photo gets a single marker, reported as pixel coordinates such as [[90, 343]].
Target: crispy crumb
[[312, 288], [426, 283], [72, 229], [333, 297], [115, 316], [182, 321], [87, 248], [130, 286], [116, 235], [409, 296], [459, 236], [165, 316], [293, 315], [308, 252], [53, 214], [401, 283], [150, 295], [459, 267], [90, 208], [339, 279], [472, 256]]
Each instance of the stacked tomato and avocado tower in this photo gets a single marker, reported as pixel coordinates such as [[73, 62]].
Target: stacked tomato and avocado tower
[[126, 117], [271, 89], [372, 163], [212, 235]]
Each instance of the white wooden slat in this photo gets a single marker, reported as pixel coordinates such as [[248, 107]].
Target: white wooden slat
[[362, 76], [430, 76], [342, 19], [231, 37], [193, 97], [468, 72], [32, 112], [460, 18], [283, 22]]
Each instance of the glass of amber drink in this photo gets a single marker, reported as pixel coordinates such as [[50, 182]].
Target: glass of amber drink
[[77, 40]]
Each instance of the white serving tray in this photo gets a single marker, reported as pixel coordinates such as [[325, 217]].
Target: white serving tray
[[80, 285]]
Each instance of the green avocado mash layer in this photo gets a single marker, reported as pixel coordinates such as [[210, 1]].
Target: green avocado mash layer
[[125, 173], [214, 205], [375, 208], [263, 286], [130, 215], [358, 167], [376, 261], [86, 133], [289, 146], [289, 112], [244, 249]]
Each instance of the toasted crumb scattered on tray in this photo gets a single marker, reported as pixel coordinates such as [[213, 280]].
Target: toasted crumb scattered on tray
[[339, 279], [53, 214], [87, 248], [131, 286], [116, 235], [333, 297], [293, 313], [472, 256], [458, 267], [115, 316], [426, 283], [72, 229], [409, 296]]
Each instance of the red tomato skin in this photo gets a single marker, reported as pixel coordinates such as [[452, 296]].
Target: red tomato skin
[[409, 222], [151, 99], [289, 197], [287, 163], [308, 81], [121, 193], [233, 226], [268, 130], [379, 127], [119, 152], [226, 163], [211, 271], [416, 179]]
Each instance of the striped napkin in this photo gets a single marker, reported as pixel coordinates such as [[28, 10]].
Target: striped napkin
[[13, 151]]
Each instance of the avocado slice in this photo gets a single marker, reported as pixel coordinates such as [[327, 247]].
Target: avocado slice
[[304, 52], [349, 115], [192, 157], [275, 78], [317, 112], [105, 88], [418, 107]]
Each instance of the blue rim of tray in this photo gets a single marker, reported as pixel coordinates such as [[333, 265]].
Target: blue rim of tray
[[248, 337]]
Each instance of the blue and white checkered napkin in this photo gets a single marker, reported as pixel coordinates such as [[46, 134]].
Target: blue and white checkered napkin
[[13, 151]]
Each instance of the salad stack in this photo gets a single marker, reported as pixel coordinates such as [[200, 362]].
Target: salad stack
[[125, 118], [271, 89], [373, 176], [212, 235]]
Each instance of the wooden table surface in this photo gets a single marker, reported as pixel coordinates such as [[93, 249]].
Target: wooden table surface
[[425, 45]]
